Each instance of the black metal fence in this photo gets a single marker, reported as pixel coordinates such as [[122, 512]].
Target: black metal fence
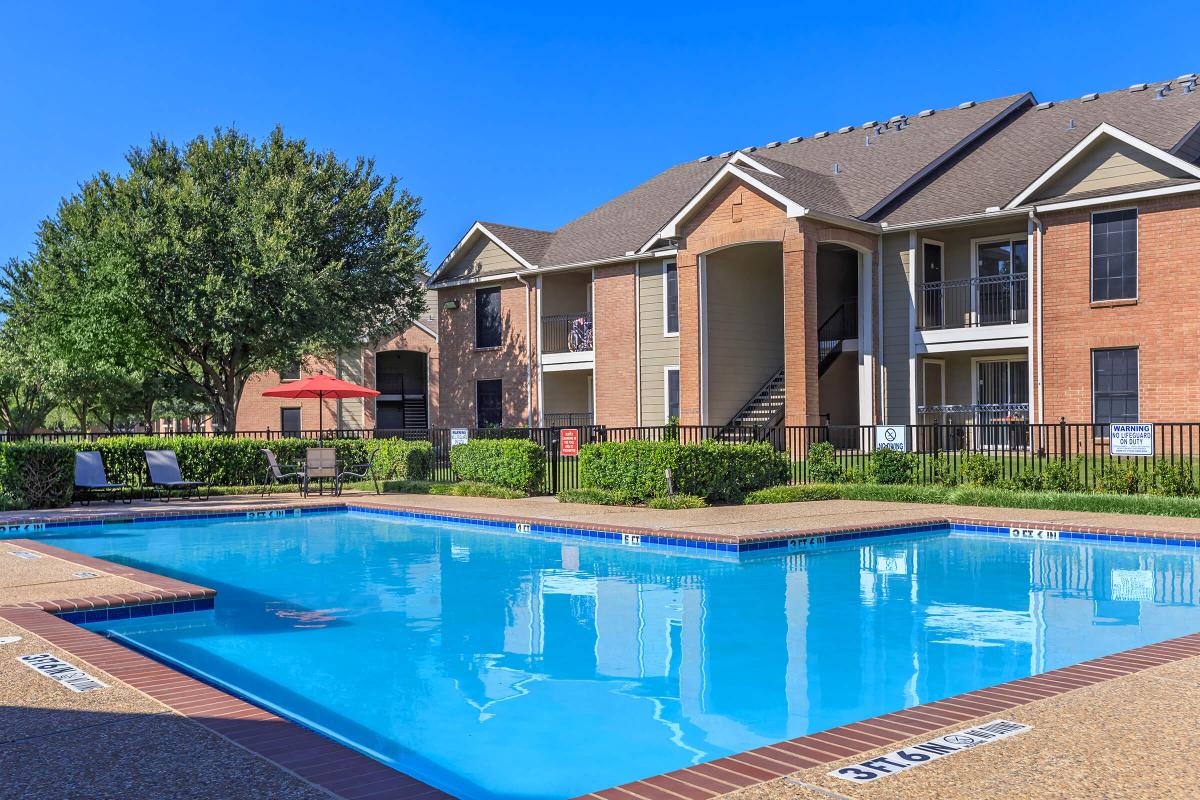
[[1017, 447]]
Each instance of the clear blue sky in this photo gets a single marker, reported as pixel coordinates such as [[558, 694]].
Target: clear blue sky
[[530, 114]]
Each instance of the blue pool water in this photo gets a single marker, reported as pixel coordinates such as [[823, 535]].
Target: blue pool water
[[494, 664]]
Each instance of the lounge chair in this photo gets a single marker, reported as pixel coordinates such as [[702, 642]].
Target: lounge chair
[[359, 472], [279, 473], [165, 477], [91, 480], [319, 463]]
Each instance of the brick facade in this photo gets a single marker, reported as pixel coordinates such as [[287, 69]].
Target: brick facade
[[258, 413], [461, 364], [1162, 323], [614, 289]]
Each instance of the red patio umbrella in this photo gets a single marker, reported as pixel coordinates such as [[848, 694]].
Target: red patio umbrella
[[321, 387]]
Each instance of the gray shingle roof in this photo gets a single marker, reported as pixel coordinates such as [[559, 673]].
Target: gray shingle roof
[[996, 171], [899, 174]]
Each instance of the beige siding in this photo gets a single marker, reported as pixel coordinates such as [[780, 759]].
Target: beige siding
[[744, 300], [350, 411], [655, 350], [484, 257], [1108, 164], [567, 392], [897, 327]]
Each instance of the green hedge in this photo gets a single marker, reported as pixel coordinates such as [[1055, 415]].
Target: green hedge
[[238, 461], [512, 463], [37, 475], [634, 470]]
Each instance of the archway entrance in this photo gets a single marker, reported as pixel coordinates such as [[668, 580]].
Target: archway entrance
[[838, 328]]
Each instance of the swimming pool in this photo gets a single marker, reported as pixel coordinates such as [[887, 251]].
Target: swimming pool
[[498, 664]]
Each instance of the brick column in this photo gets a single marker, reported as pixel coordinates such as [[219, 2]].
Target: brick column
[[687, 265], [800, 328], [615, 323]]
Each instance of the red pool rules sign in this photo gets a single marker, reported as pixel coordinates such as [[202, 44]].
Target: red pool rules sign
[[568, 442]]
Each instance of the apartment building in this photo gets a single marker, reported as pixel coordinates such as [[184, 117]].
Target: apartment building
[[403, 367], [1000, 260]]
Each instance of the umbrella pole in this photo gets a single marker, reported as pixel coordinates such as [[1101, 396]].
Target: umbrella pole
[[321, 419]]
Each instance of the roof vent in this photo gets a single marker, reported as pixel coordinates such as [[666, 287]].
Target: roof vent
[[749, 149], [1139, 87], [1071, 124], [1044, 106], [926, 113], [820, 134], [1189, 87], [867, 140], [846, 129], [1191, 76], [837, 168], [774, 144], [1162, 91], [899, 119], [704, 158], [726, 154], [870, 124], [795, 139], [1089, 97], [968, 104]]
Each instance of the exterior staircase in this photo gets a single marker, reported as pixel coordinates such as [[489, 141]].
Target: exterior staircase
[[762, 412], [832, 334]]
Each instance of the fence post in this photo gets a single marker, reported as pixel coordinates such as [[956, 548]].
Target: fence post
[[1062, 438], [552, 451]]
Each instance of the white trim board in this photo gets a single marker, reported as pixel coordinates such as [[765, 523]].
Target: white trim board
[[481, 230], [1103, 129]]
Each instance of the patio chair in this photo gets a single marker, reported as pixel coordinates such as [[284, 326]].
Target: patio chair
[[279, 473], [360, 472], [163, 468], [319, 463], [91, 480]]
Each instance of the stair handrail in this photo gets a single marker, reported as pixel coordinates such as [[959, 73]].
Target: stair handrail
[[775, 415]]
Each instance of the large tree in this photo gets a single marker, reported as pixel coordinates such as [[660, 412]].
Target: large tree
[[210, 262]]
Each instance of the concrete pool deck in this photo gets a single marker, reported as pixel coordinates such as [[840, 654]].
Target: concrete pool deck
[[1098, 727]]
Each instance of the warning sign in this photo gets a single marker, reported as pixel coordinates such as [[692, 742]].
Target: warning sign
[[1131, 439], [917, 754], [568, 442]]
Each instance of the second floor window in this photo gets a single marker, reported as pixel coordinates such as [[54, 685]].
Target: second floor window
[[1114, 255], [488, 331], [291, 373], [670, 298]]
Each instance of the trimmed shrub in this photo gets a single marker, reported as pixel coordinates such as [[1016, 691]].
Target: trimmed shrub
[[977, 469], [1063, 476], [1173, 480], [1025, 481], [397, 459], [518, 464], [792, 494], [942, 471], [38, 475], [822, 465], [891, 466], [634, 470], [1121, 478], [677, 501], [593, 497]]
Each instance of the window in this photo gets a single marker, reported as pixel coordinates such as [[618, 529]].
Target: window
[[1115, 385], [289, 421], [291, 373], [487, 317], [1114, 255], [489, 403], [670, 298], [672, 393]]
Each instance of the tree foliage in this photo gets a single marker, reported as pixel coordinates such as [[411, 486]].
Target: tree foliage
[[206, 263]]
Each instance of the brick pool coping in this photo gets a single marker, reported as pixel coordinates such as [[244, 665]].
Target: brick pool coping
[[768, 763]]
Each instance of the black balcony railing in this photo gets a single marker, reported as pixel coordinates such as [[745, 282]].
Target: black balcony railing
[[567, 333], [973, 302], [568, 419], [992, 425]]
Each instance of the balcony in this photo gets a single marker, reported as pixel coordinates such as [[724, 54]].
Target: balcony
[[567, 337], [973, 302]]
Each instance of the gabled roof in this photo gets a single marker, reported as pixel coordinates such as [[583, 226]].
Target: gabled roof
[[993, 172], [935, 165], [1102, 131]]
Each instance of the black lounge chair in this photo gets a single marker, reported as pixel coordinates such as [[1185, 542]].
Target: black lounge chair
[[360, 472], [165, 477], [91, 480], [276, 473]]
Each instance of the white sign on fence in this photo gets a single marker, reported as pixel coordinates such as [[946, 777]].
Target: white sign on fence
[[1131, 439], [891, 437], [459, 436]]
